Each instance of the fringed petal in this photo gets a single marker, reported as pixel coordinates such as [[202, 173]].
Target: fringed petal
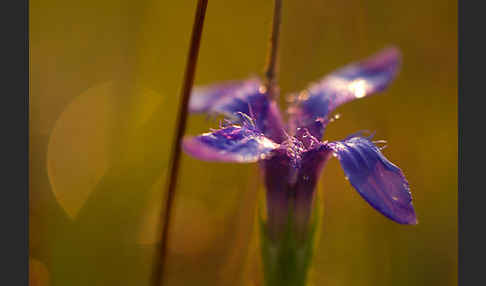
[[311, 107], [225, 98], [377, 180], [234, 143], [245, 96]]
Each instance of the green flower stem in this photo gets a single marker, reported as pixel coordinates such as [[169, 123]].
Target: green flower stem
[[287, 258]]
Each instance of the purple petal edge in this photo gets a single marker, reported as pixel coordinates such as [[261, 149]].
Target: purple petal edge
[[311, 107], [230, 144], [377, 180], [223, 97], [244, 96]]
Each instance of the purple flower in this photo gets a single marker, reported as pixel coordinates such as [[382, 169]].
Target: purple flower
[[292, 155]]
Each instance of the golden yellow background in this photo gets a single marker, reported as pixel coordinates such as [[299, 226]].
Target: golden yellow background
[[105, 81]]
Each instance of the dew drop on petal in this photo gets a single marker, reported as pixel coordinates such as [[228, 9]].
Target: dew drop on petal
[[303, 95], [262, 89], [358, 87]]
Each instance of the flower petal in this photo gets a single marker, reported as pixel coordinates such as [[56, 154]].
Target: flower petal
[[378, 181], [312, 106], [230, 144], [245, 96], [226, 97]]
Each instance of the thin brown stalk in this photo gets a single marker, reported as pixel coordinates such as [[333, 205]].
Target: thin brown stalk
[[272, 59], [160, 262]]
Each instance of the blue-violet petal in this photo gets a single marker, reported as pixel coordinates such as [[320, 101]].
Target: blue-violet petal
[[311, 107], [377, 180], [244, 96], [233, 143]]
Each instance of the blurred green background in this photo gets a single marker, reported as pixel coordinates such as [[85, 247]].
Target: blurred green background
[[105, 80]]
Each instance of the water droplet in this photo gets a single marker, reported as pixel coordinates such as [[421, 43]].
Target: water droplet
[[346, 178], [358, 87], [262, 89], [303, 95]]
